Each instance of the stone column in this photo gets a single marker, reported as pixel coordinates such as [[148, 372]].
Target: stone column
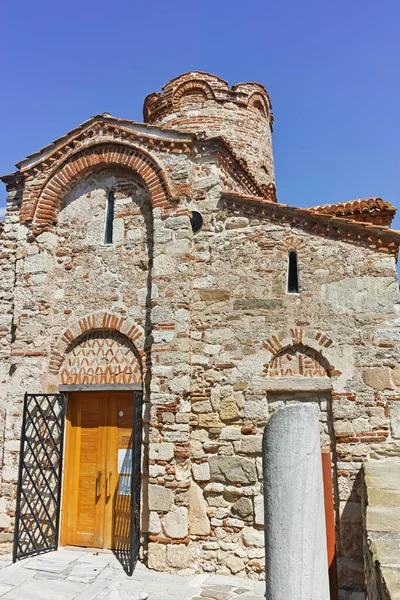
[[296, 566]]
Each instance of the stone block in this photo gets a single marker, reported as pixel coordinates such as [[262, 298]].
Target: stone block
[[177, 223], [343, 428], [236, 222], [378, 378], [214, 295], [179, 385], [228, 409], [157, 557], [235, 564], [201, 472], [203, 407], [196, 448], [5, 520], [177, 556], [154, 523], [251, 444], [218, 335], [210, 420], [175, 523], [163, 451], [255, 409], [176, 433], [182, 470], [160, 498], [232, 469], [242, 508], [253, 537], [198, 518], [231, 434]]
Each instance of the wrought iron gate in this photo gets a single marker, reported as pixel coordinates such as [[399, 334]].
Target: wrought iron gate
[[39, 480], [135, 479]]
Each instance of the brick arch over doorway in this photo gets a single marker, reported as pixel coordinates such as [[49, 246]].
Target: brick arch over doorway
[[45, 210], [101, 357], [298, 359], [100, 348]]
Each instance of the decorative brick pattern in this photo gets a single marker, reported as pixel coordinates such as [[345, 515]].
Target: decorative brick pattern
[[200, 102], [194, 91], [96, 324], [297, 360], [293, 243], [101, 357]]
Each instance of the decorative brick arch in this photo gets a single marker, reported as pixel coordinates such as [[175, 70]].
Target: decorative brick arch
[[97, 155], [191, 87], [257, 101], [292, 243], [299, 355], [119, 328], [298, 360]]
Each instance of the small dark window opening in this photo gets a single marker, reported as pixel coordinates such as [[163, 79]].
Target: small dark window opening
[[108, 235], [293, 274], [196, 221]]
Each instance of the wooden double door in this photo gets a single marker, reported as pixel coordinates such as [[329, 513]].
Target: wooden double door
[[96, 508]]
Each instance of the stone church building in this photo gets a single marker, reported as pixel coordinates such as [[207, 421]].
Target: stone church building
[[157, 304]]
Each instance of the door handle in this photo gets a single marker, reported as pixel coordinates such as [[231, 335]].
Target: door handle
[[98, 482], [108, 484]]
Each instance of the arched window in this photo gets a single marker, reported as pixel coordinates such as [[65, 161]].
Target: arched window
[[293, 274], [108, 234]]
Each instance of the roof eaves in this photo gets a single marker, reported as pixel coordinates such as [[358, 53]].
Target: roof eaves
[[334, 221], [105, 117]]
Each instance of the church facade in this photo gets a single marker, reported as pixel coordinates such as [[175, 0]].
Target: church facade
[[158, 304]]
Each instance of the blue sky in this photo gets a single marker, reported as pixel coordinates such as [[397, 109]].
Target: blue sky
[[331, 68]]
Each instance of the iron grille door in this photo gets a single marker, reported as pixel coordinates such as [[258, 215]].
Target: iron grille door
[[136, 478], [39, 480]]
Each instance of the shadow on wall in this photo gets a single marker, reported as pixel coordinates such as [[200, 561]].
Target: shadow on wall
[[144, 510]]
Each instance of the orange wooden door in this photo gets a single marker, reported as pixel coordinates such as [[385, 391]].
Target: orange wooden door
[[86, 442], [119, 469], [96, 497]]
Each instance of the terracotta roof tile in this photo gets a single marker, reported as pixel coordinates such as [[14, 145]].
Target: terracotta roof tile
[[372, 210]]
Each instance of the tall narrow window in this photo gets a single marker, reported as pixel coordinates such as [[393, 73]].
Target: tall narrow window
[[108, 235], [293, 274]]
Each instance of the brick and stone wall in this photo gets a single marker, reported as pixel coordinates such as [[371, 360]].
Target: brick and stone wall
[[203, 103], [204, 320]]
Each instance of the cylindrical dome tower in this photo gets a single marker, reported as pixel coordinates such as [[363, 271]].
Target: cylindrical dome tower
[[201, 102]]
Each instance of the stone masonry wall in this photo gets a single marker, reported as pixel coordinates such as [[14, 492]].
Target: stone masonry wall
[[72, 290], [344, 321]]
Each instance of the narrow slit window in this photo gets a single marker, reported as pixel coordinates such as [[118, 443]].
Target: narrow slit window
[[293, 274], [108, 235]]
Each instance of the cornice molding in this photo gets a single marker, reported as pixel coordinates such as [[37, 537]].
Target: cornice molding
[[378, 237]]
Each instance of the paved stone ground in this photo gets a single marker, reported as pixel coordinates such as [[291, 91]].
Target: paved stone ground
[[69, 575]]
